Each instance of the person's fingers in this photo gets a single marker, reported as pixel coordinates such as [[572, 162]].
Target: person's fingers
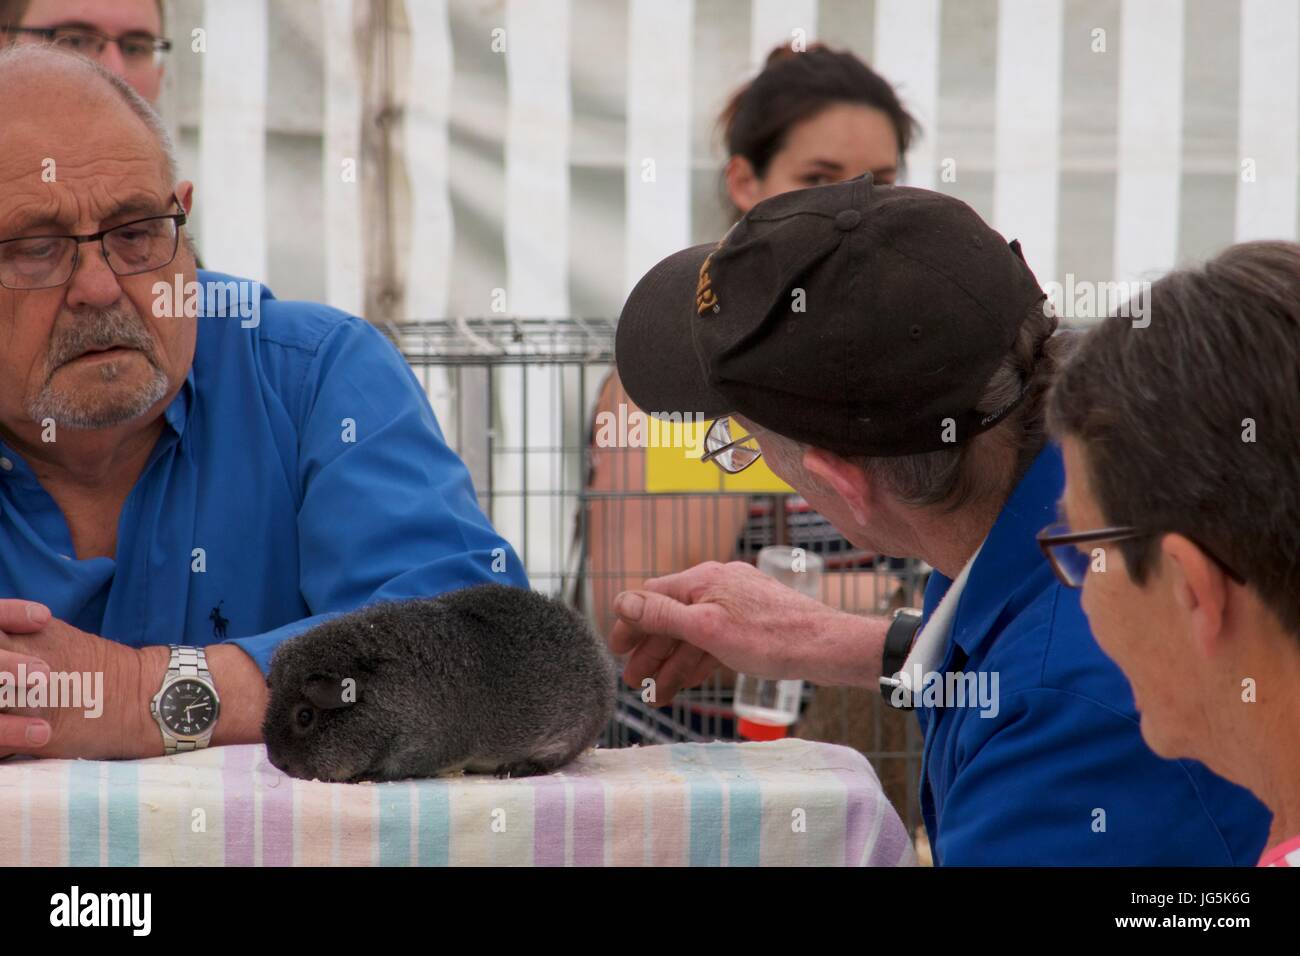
[[22, 617], [22, 734], [703, 670], [19, 733], [623, 637], [646, 659], [11, 662], [652, 613], [684, 585], [675, 672]]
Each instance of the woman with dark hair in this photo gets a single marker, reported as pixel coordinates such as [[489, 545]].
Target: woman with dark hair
[[808, 118], [811, 118]]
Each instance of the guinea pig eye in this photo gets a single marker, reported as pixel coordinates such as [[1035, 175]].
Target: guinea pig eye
[[303, 717]]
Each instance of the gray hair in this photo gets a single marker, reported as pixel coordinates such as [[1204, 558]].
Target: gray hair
[[1165, 416], [31, 58], [954, 478]]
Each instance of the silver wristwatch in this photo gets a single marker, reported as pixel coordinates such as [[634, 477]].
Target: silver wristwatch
[[187, 705]]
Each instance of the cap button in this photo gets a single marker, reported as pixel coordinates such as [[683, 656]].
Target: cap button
[[847, 219]]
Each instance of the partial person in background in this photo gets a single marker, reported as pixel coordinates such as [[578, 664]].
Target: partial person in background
[[810, 118], [125, 37], [1182, 516]]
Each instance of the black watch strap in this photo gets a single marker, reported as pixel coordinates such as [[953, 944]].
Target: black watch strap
[[898, 644]]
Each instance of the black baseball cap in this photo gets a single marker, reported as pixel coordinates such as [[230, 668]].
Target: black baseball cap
[[855, 317]]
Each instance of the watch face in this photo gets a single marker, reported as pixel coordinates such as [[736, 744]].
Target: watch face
[[188, 708]]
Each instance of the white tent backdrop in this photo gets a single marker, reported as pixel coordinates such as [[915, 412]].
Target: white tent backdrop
[[524, 162], [533, 158]]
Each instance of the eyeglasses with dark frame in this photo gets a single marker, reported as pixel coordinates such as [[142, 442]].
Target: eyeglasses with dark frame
[[137, 48], [29, 263], [732, 455], [1060, 547]]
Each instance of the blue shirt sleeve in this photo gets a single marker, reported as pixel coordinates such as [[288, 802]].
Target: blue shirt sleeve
[[387, 511], [1057, 779]]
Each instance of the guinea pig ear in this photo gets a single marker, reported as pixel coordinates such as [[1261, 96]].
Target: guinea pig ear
[[330, 692]]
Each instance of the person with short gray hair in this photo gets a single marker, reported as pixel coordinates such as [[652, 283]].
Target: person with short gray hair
[[1182, 516], [191, 471], [889, 355]]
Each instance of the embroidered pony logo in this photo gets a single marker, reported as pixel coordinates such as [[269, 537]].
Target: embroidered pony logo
[[219, 621]]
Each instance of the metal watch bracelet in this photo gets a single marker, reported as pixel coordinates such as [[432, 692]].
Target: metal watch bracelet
[[186, 662]]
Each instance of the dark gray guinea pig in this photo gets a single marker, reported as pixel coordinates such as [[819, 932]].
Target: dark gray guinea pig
[[489, 679]]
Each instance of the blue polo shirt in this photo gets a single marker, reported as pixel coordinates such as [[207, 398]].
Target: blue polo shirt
[[1060, 776], [301, 474]]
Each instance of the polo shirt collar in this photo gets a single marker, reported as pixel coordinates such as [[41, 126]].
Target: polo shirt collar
[[1009, 556], [177, 414]]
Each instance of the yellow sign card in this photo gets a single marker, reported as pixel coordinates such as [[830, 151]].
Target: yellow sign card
[[672, 464]]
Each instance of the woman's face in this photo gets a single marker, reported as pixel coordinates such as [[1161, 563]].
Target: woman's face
[[841, 142]]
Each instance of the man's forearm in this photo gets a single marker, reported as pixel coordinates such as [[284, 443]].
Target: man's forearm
[[848, 651], [240, 684]]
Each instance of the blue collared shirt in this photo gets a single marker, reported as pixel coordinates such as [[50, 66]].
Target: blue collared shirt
[[301, 474], [1061, 775]]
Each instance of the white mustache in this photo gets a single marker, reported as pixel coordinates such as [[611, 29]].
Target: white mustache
[[112, 328]]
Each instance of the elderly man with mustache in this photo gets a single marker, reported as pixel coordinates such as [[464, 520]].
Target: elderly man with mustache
[[182, 488]]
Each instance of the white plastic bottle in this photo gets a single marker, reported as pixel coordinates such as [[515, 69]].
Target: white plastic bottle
[[766, 708]]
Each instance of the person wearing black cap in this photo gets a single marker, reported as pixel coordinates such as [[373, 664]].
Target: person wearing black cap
[[889, 354]]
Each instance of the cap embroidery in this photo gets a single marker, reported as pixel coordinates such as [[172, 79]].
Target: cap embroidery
[[705, 299]]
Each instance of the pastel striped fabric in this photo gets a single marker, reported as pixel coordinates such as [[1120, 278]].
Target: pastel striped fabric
[[790, 802]]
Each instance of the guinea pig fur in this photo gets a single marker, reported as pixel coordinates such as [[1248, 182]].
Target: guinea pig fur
[[488, 679]]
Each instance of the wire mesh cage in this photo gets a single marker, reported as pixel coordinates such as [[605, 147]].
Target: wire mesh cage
[[517, 399]]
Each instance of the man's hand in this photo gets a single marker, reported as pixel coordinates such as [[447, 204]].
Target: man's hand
[[20, 617], [109, 682], [679, 627]]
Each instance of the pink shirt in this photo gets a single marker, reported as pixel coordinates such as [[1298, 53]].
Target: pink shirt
[[1284, 854]]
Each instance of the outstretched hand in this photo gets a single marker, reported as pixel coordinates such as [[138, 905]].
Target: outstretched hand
[[680, 627]]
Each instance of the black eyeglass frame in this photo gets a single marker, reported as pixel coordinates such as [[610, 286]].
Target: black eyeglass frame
[[1048, 539], [180, 218], [49, 34]]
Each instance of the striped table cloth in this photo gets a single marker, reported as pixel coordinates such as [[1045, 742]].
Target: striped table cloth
[[790, 802]]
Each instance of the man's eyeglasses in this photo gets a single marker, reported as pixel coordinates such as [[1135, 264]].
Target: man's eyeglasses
[[732, 455], [43, 262], [138, 49], [1061, 546]]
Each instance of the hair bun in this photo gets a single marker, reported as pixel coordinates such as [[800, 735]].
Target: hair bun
[[786, 51]]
